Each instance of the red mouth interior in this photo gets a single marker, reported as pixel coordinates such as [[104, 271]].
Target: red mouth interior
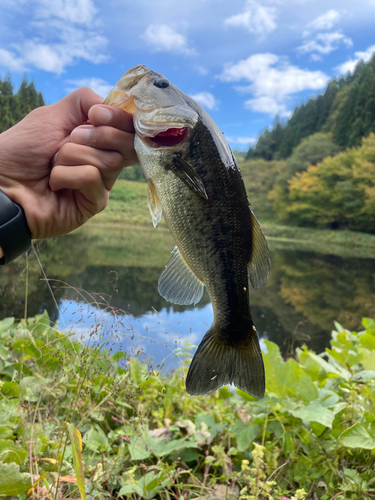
[[171, 137]]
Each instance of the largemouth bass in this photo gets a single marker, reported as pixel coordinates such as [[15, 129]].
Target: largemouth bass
[[194, 180]]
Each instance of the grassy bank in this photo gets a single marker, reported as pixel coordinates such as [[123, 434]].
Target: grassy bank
[[128, 205], [75, 424]]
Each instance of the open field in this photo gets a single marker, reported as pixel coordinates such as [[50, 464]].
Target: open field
[[128, 206]]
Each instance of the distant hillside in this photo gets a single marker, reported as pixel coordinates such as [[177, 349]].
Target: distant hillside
[[15, 106], [346, 111]]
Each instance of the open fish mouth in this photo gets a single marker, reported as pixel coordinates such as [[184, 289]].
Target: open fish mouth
[[170, 137]]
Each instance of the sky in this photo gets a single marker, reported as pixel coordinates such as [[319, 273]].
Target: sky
[[244, 61]]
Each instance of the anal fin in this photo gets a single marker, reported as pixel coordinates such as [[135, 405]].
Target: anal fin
[[178, 284]]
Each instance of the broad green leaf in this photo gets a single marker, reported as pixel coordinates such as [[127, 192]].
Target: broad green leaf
[[312, 368], [245, 395], [368, 359], [12, 482], [339, 407], [328, 398], [345, 356], [5, 325], [357, 436], [139, 450], [128, 489], [8, 410], [96, 440], [305, 388], [76, 442], [363, 376], [245, 434], [276, 428], [368, 323], [11, 452], [31, 387], [315, 412], [209, 420], [330, 368], [339, 328], [368, 341], [6, 432], [286, 378], [4, 352], [225, 393], [187, 455], [10, 390], [162, 447]]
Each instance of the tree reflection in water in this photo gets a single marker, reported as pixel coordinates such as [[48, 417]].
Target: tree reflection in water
[[305, 292]]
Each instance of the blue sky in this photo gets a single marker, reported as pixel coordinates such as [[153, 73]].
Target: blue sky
[[243, 60]]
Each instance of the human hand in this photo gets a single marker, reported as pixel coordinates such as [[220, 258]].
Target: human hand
[[60, 169]]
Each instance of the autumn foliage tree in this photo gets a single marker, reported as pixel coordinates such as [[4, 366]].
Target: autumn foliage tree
[[339, 192]]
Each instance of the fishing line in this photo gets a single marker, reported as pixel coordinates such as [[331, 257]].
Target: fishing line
[[49, 286]]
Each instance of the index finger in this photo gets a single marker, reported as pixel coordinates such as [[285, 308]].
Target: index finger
[[111, 116]]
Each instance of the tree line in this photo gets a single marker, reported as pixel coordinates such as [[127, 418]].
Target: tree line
[[318, 168], [346, 111], [15, 106]]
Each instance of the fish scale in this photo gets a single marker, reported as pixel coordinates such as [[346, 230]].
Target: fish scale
[[194, 180]]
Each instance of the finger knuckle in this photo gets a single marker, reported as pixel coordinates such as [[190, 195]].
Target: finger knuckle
[[115, 160], [92, 177]]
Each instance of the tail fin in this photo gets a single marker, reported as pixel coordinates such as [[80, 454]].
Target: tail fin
[[217, 363]]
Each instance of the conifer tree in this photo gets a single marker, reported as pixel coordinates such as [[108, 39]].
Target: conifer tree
[[13, 107]]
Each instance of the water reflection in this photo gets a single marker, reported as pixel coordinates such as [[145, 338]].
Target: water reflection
[[116, 270]]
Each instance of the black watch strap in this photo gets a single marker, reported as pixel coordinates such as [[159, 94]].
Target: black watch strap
[[15, 237]]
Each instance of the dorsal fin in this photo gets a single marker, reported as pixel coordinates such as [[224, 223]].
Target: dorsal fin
[[178, 284], [260, 261]]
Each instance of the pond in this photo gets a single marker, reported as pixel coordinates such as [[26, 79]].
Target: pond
[[102, 285]]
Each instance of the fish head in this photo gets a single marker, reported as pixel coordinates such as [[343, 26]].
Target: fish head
[[162, 114]]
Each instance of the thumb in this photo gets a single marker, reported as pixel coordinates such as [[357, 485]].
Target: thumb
[[73, 110]]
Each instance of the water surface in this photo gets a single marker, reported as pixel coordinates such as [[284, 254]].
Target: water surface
[[104, 279]]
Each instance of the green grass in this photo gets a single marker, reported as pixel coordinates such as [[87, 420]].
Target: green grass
[[128, 206], [75, 424]]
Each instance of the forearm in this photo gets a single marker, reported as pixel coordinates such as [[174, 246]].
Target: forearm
[[1, 253]]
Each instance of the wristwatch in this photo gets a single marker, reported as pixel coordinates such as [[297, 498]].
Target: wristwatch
[[15, 236]]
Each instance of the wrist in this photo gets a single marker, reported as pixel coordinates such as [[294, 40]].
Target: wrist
[[15, 237]]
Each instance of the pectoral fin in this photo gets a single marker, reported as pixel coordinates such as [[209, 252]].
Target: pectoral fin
[[260, 261], [188, 175], [178, 284], [153, 203]]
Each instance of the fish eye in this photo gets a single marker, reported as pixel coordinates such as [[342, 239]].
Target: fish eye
[[162, 83]]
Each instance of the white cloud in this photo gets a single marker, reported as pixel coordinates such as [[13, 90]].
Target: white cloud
[[164, 38], [11, 61], [325, 43], [206, 99], [352, 63], [57, 40], [101, 87], [268, 105], [272, 80], [241, 140], [201, 70], [73, 11], [255, 18], [325, 21]]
